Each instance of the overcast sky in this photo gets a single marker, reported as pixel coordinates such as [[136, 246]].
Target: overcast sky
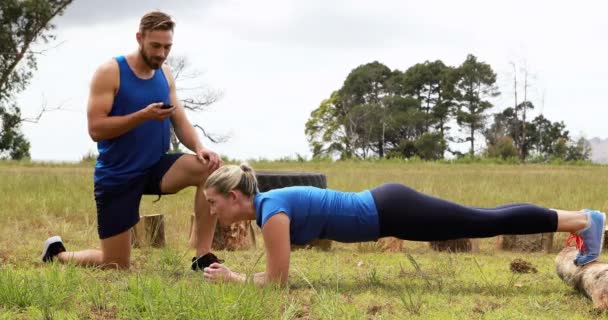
[[275, 61]]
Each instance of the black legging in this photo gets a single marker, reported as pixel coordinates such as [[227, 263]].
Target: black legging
[[410, 215]]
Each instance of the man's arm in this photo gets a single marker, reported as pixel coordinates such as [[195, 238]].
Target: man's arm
[[185, 131], [183, 128], [101, 97]]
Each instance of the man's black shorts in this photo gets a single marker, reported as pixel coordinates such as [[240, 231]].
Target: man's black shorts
[[118, 206]]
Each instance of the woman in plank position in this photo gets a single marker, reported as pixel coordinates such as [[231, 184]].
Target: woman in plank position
[[298, 215]]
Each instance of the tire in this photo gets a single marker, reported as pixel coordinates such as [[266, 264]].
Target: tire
[[268, 180]]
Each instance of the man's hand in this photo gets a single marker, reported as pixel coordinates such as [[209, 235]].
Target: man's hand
[[210, 158], [154, 111], [218, 272]]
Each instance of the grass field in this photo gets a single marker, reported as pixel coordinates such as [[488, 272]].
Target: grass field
[[349, 282]]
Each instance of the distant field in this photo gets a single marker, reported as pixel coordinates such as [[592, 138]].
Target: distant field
[[38, 200]]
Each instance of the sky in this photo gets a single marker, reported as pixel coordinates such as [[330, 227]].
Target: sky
[[275, 61]]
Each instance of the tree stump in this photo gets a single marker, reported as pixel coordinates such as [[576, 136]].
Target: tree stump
[[590, 279], [390, 244], [149, 232], [237, 236], [526, 242], [456, 245]]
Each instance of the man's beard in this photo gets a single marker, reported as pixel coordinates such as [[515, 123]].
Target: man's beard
[[148, 61]]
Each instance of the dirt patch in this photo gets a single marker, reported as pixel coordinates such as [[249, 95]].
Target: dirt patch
[[4, 256], [522, 266], [302, 313], [484, 307], [103, 313], [374, 309]]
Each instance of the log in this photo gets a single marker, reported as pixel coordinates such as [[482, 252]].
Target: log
[[590, 279], [390, 244], [320, 244], [149, 232], [238, 236], [539, 242], [457, 245]]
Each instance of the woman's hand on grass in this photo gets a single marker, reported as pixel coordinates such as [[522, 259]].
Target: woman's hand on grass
[[217, 272]]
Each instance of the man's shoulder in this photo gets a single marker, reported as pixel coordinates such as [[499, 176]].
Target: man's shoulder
[[107, 73], [109, 66]]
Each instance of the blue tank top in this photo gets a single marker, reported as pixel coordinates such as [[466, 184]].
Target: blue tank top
[[316, 213], [131, 154]]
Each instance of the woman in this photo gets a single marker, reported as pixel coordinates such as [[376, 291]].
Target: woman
[[297, 215]]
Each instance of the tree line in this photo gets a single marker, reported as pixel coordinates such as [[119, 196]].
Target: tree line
[[379, 112]]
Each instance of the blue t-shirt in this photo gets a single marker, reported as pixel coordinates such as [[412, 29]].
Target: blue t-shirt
[[131, 154], [316, 213]]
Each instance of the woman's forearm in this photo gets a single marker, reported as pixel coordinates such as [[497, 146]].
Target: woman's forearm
[[259, 278]]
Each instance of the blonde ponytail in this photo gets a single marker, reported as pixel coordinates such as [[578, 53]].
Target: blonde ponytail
[[232, 177]]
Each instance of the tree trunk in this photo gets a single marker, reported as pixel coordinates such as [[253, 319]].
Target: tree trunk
[[590, 279], [457, 245], [149, 231], [526, 242]]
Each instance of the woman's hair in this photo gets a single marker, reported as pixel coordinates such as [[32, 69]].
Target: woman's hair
[[156, 20], [233, 177]]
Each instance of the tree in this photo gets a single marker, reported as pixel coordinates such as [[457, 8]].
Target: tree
[[330, 129], [430, 146], [195, 97], [507, 125], [548, 139], [521, 141], [476, 83], [579, 150], [13, 143], [22, 24], [355, 121], [363, 92], [432, 83], [504, 148]]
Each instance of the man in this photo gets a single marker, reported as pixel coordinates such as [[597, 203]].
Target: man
[[132, 99]]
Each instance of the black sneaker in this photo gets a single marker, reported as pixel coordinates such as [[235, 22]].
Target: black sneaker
[[204, 261], [52, 247]]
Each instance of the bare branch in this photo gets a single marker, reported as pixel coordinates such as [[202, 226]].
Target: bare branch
[[39, 52], [44, 109], [211, 137]]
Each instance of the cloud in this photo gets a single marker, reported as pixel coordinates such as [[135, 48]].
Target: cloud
[[84, 13]]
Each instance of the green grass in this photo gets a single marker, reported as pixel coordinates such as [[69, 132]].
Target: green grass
[[349, 282]]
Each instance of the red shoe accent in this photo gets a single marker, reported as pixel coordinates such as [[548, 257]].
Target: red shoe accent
[[578, 242]]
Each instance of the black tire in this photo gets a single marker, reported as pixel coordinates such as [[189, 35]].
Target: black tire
[[268, 180]]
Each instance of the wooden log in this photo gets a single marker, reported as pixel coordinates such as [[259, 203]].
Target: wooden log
[[456, 245], [539, 242], [390, 244], [590, 279], [149, 232], [321, 244], [238, 236]]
